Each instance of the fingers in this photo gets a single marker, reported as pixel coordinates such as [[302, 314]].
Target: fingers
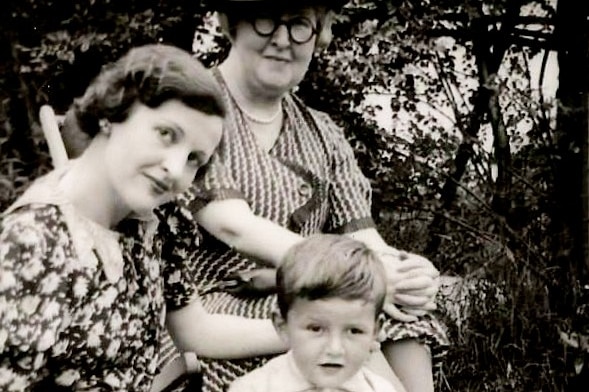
[[264, 278], [415, 312], [417, 283], [410, 300], [416, 292], [426, 303], [397, 313], [418, 263], [413, 283], [429, 292], [408, 273], [405, 262]]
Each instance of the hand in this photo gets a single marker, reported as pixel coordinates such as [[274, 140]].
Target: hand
[[413, 283], [255, 282]]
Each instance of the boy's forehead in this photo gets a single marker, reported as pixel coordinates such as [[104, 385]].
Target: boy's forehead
[[331, 307]]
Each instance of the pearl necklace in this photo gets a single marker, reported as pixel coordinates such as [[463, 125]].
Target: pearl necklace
[[257, 119], [238, 99]]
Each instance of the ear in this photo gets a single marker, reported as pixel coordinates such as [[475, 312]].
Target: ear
[[376, 338], [325, 35], [281, 326], [324, 38], [104, 126]]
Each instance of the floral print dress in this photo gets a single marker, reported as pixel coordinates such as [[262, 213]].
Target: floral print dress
[[81, 307]]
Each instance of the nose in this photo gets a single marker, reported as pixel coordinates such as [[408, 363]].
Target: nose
[[281, 36], [335, 346], [175, 163]]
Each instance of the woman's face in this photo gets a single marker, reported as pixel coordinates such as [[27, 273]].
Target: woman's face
[[155, 153], [274, 63]]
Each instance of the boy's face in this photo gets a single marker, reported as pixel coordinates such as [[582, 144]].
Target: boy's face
[[330, 338]]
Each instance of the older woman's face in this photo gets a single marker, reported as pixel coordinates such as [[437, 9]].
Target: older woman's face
[[274, 62]]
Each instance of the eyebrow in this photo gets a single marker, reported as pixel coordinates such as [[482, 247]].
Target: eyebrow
[[202, 156], [175, 126]]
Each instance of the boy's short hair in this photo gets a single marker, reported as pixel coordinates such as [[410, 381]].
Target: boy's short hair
[[330, 266]]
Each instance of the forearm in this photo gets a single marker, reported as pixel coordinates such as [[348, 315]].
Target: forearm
[[222, 336], [372, 238], [264, 240], [232, 222]]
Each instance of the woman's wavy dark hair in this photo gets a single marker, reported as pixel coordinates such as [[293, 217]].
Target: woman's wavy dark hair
[[151, 75]]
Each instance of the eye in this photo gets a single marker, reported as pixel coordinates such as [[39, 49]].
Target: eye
[[264, 25], [356, 331], [314, 328], [301, 22], [194, 160], [167, 134]]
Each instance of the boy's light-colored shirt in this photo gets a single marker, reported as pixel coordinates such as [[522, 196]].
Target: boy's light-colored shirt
[[281, 374]]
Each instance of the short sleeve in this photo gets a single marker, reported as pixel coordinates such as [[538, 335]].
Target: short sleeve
[[216, 182], [350, 193], [33, 293], [180, 238]]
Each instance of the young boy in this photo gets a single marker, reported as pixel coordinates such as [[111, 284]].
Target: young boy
[[330, 292]]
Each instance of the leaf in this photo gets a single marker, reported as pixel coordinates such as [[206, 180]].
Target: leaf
[[579, 365], [571, 340]]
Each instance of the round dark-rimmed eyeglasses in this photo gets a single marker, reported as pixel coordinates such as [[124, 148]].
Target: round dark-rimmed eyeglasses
[[300, 29]]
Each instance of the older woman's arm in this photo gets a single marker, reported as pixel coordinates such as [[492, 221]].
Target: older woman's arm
[[233, 222], [221, 336], [413, 280]]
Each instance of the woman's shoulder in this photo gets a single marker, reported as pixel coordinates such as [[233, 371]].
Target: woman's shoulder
[[33, 229], [33, 240], [39, 220], [318, 115], [322, 120]]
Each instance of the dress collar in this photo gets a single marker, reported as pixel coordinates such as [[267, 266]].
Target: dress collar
[[94, 243]]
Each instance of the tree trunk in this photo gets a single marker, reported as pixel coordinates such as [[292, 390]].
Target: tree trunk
[[489, 50], [570, 189], [569, 196]]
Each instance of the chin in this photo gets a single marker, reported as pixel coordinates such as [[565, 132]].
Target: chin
[[331, 382], [145, 210], [277, 80], [145, 205]]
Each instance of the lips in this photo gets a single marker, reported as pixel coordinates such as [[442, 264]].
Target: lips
[[159, 186], [277, 58], [331, 367]]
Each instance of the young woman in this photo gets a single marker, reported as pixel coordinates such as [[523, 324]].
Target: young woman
[[284, 171], [82, 286]]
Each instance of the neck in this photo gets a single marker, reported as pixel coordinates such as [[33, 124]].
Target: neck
[[87, 186], [258, 104]]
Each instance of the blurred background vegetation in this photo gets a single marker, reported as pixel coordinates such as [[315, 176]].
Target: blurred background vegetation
[[474, 162]]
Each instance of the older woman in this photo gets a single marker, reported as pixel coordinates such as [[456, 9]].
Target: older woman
[[82, 285], [284, 171]]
